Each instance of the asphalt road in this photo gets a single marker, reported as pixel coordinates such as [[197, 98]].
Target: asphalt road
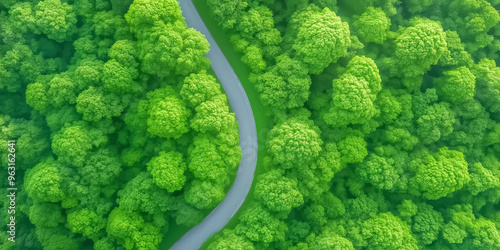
[[240, 105]]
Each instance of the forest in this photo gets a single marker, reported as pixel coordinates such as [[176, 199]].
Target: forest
[[385, 128], [122, 135], [384, 125]]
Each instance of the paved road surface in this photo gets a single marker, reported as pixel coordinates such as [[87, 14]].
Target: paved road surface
[[248, 139]]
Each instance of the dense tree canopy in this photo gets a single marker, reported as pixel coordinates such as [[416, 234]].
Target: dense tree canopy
[[418, 48], [167, 170], [321, 37], [373, 25], [354, 93], [440, 174], [385, 123], [379, 126], [294, 143], [114, 111], [278, 193], [286, 85]]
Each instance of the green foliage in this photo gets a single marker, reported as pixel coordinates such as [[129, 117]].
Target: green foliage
[[465, 228], [354, 93], [387, 231], [118, 77], [62, 90], [389, 107], [399, 151], [103, 244], [407, 209], [253, 58], [101, 168], [57, 238], [329, 241], [72, 144], [32, 139], [107, 23], [170, 49], [205, 162], [456, 85], [313, 27], [166, 114], [143, 14], [129, 228], [259, 225], [294, 143], [297, 230], [45, 214], [378, 171], [352, 149], [36, 96], [204, 194], [141, 194], [373, 25], [86, 222], [199, 88], [415, 6], [167, 171], [385, 134], [166, 45], [43, 182], [105, 121], [441, 173], [92, 104], [55, 19], [22, 17], [227, 12], [456, 54], [488, 87], [472, 20], [285, 85], [230, 240], [213, 116], [418, 48], [185, 214], [481, 179], [435, 122], [277, 192], [427, 224], [313, 179]]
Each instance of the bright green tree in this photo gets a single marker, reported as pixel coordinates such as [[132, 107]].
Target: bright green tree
[[167, 170], [441, 173], [457, 85], [372, 25], [55, 19], [314, 26], [294, 143], [44, 182], [278, 193], [418, 48]]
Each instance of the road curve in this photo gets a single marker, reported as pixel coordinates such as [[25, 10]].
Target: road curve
[[240, 105]]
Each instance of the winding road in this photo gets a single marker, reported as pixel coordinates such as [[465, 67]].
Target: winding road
[[240, 105]]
